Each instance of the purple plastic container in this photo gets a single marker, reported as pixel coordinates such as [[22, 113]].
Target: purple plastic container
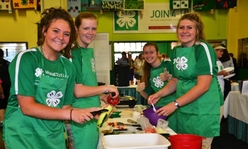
[[152, 116]]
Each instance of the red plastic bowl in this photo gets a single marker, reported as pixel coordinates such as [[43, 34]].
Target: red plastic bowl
[[152, 116], [186, 141]]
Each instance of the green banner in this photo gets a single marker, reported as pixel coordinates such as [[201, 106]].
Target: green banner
[[203, 5], [126, 21]]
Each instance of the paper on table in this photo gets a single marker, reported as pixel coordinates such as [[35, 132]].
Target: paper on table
[[245, 87]]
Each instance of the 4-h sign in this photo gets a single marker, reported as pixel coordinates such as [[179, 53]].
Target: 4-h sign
[[128, 20], [180, 4], [156, 18]]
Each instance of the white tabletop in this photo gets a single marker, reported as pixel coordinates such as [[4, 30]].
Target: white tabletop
[[130, 86], [236, 105]]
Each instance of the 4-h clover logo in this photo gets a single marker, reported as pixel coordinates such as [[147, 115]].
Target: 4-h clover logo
[[93, 65], [127, 20], [38, 72], [53, 98], [157, 82], [181, 63]]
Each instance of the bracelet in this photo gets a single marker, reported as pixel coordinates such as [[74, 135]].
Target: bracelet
[[107, 91], [176, 104], [71, 114]]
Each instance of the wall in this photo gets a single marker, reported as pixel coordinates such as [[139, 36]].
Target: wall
[[20, 26], [237, 26]]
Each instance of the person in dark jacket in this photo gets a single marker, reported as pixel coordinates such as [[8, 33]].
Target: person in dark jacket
[[4, 75]]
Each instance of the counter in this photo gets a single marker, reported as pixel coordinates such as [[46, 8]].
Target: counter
[[126, 114]]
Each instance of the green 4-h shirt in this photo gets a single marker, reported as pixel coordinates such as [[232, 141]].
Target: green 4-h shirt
[[202, 116], [51, 83]]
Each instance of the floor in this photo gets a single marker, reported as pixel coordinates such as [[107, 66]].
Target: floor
[[224, 141]]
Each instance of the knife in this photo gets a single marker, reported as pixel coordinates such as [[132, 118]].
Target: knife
[[134, 125]]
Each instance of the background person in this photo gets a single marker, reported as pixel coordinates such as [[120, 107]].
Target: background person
[[123, 60], [131, 64], [86, 89], [226, 60], [42, 88], [1, 90], [198, 95], [138, 67], [221, 73], [4, 75], [234, 62]]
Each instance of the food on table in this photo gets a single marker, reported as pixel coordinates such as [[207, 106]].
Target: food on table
[[150, 130]]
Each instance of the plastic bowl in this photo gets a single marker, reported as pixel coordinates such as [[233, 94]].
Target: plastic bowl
[[183, 141], [152, 116]]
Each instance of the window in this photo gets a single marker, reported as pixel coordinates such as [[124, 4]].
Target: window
[[134, 47], [12, 48]]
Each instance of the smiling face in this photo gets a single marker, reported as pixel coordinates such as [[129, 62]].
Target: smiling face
[[57, 36], [150, 54], [187, 33], [86, 32]]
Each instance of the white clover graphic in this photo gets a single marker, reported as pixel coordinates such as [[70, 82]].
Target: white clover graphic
[[93, 65], [126, 19], [158, 83], [53, 98], [181, 63], [38, 72]]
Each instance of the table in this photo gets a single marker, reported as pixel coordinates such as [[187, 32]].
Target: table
[[236, 106], [234, 87], [131, 91], [124, 120]]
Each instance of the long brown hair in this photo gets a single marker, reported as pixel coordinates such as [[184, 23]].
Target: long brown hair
[[147, 67], [47, 17]]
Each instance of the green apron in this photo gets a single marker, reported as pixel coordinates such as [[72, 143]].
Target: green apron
[[86, 135], [202, 116], [157, 84], [40, 133]]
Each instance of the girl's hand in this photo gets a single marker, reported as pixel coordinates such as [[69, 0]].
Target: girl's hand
[[223, 72], [140, 86], [167, 110], [154, 98], [113, 89], [82, 115], [165, 76]]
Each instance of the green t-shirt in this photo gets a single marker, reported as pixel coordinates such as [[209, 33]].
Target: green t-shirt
[[24, 70], [51, 83]]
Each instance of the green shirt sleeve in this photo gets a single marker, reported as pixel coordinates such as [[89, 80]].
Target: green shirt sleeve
[[205, 59]]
